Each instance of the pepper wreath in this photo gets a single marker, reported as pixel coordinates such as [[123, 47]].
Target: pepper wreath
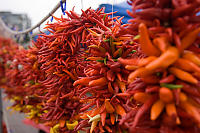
[[98, 75]]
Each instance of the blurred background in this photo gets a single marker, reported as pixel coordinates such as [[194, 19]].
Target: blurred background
[[33, 10], [19, 15]]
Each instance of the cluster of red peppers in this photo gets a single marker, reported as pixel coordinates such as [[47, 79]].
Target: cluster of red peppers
[[165, 83], [94, 74]]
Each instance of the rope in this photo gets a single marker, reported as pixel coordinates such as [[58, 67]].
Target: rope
[[112, 10], [81, 4], [35, 26]]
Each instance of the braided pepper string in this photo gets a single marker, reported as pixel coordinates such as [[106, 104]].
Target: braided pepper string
[[165, 101]]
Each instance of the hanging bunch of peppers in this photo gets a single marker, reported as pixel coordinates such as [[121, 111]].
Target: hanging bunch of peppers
[[95, 74], [63, 59], [168, 98], [7, 52], [105, 79], [20, 76]]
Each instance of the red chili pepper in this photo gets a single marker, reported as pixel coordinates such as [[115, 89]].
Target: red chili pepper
[[143, 109], [99, 23], [168, 79]]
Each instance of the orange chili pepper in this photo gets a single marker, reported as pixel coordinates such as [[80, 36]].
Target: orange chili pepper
[[187, 65], [189, 39], [120, 110], [141, 97], [147, 60], [110, 89], [49, 123], [93, 32], [117, 43], [98, 82], [112, 119], [119, 76], [185, 76], [117, 52], [133, 61], [95, 112], [92, 72], [166, 95], [109, 107], [123, 94], [62, 122], [122, 86], [95, 58], [85, 115], [86, 100], [156, 109], [167, 58], [83, 81], [131, 67], [123, 38], [70, 74], [138, 73], [103, 50], [35, 66], [162, 43], [182, 97], [192, 57], [171, 111], [33, 57], [145, 43], [52, 99]]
